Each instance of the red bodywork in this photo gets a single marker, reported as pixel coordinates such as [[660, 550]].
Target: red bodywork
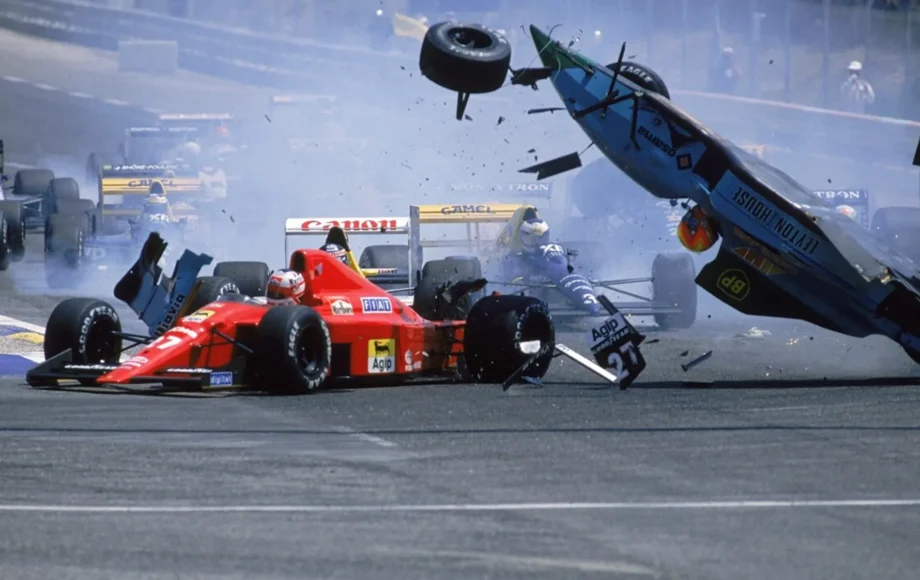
[[370, 329]]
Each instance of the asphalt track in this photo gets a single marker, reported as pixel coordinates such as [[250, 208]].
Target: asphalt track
[[778, 460]]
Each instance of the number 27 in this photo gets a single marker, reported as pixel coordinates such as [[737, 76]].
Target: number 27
[[615, 360]]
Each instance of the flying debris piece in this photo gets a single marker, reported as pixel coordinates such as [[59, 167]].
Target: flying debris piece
[[544, 110], [554, 166], [917, 155], [696, 361], [531, 150], [530, 76], [500, 121]]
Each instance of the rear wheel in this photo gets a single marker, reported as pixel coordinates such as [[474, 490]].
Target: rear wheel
[[428, 299], [384, 256], [294, 350], [466, 58], [501, 332], [250, 278], [64, 250], [211, 288], [32, 182]]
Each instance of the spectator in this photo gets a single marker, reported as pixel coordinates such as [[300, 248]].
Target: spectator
[[723, 77], [857, 92]]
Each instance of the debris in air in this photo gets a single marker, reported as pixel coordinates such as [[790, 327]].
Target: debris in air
[[500, 121], [544, 110], [696, 361], [267, 118]]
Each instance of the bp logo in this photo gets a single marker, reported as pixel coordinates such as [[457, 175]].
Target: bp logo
[[735, 284]]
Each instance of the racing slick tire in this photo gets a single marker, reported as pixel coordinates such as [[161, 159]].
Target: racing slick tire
[[495, 329], [82, 210], [64, 249], [674, 283], [251, 278], [210, 289], [32, 182], [644, 77], [11, 212], [4, 248], [60, 189], [384, 256], [294, 350], [465, 58], [86, 326], [427, 300]]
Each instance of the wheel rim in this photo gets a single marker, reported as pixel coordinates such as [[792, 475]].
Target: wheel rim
[[469, 38], [100, 342], [311, 350]]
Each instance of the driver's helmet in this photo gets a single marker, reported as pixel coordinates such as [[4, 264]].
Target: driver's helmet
[[285, 287], [534, 233], [156, 206], [189, 150], [696, 230], [337, 251], [849, 211]]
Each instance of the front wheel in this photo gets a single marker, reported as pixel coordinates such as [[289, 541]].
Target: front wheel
[[465, 58], [294, 350], [88, 328]]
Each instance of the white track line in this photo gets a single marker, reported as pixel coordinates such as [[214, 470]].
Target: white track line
[[486, 507]]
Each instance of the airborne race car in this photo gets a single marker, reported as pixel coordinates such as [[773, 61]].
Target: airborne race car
[[785, 251], [345, 327]]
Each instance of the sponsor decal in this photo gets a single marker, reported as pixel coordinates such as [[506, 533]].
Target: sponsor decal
[[134, 362], [609, 333], [758, 261], [781, 226], [342, 306], [376, 305], [182, 330], [657, 142], [772, 256], [199, 316], [684, 162], [91, 367], [149, 182], [381, 356], [371, 272], [171, 312], [452, 209], [188, 371], [735, 284], [504, 187], [349, 225], [848, 194], [222, 379]]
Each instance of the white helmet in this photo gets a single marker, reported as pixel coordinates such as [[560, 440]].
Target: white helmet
[[855, 66], [534, 233], [848, 211], [190, 149], [285, 287]]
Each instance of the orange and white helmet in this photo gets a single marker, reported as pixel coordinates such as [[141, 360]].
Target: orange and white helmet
[[696, 231], [849, 211], [285, 287]]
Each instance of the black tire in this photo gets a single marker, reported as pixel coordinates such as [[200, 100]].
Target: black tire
[[64, 250], [210, 289], [251, 278], [60, 189], [674, 283], [84, 208], [4, 247], [293, 350], [466, 58], [15, 229], [644, 77], [55, 222], [384, 256], [32, 182], [86, 326], [495, 329], [427, 301]]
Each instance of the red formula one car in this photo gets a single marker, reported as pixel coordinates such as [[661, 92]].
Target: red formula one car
[[345, 328]]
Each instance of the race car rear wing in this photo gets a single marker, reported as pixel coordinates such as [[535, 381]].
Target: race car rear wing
[[352, 226], [122, 187], [470, 215]]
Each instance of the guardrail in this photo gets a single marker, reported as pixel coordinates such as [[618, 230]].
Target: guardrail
[[301, 64]]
